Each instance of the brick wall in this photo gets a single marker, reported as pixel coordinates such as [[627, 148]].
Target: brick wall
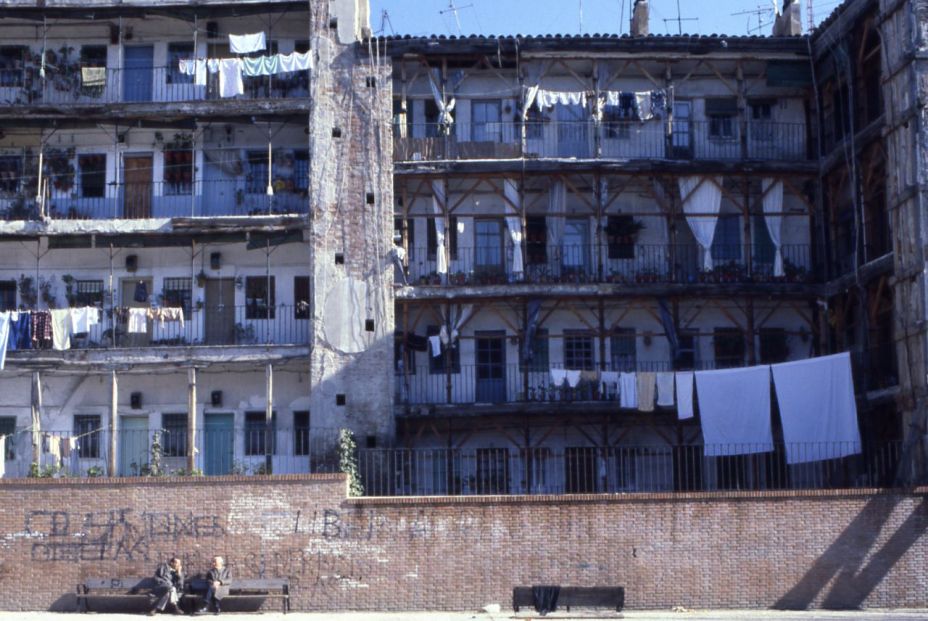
[[698, 550]]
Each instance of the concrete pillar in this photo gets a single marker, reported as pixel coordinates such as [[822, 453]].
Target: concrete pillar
[[191, 419], [640, 18], [114, 416]]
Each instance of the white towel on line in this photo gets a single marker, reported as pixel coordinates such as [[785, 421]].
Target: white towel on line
[[734, 407], [610, 382], [573, 378], [646, 386], [817, 408], [138, 320], [628, 390], [435, 343], [558, 377], [684, 381], [247, 43], [230, 77], [665, 389], [61, 328]]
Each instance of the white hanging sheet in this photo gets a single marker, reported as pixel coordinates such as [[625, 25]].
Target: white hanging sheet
[[438, 203], [547, 99], [628, 390], [514, 226], [734, 407], [684, 382], [817, 408], [247, 43], [702, 195], [230, 77], [665, 389], [773, 204]]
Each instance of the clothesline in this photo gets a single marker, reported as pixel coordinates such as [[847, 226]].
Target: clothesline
[[231, 70]]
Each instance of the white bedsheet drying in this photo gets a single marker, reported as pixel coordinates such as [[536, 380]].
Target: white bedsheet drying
[[734, 406], [817, 408]]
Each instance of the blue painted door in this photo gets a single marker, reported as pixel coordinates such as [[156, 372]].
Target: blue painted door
[[218, 435], [138, 71], [134, 456]]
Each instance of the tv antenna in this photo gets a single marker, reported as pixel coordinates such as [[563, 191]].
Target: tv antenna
[[384, 21], [810, 14], [679, 19], [763, 15], [454, 11]]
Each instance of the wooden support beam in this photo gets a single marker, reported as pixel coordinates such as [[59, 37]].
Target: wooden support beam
[[114, 427], [191, 419]]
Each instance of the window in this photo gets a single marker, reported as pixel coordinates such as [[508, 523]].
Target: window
[[575, 245], [399, 347], [534, 463], [773, 346], [492, 471], [536, 240], [722, 115], [617, 121], [259, 437], [257, 304], [301, 170], [178, 171], [174, 436], [621, 234], [409, 240], [623, 347], [488, 238], [301, 46], [431, 118], [578, 351], [7, 295], [451, 233], [301, 433], [87, 430], [729, 348], [580, 469], [301, 297], [12, 65], [764, 250], [93, 56], [177, 294], [11, 173], [726, 245], [761, 120], [688, 353], [486, 117], [88, 293], [92, 175], [539, 362], [176, 52], [437, 364], [8, 428], [256, 179]]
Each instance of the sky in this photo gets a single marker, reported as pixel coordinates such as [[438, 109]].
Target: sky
[[536, 17]]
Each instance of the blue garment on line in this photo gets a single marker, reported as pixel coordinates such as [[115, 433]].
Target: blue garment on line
[[20, 333]]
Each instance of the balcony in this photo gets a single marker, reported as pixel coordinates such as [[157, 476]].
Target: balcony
[[141, 85], [241, 326], [133, 201], [693, 140], [597, 264]]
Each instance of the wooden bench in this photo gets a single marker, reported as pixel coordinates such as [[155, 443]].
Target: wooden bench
[[247, 589], [579, 597], [113, 588]]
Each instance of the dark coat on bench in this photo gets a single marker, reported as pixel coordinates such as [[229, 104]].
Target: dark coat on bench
[[223, 576], [165, 578]]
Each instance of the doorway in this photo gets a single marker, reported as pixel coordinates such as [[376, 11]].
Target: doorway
[[491, 367], [133, 445], [137, 174], [220, 311], [218, 444], [135, 293], [138, 73]]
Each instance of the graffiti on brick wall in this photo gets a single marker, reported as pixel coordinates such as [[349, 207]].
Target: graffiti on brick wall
[[115, 534]]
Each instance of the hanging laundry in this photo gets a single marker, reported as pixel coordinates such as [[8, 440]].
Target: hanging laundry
[[64, 447], [609, 381], [20, 330], [141, 292], [665, 389], [558, 377], [53, 448], [734, 407], [80, 319], [41, 329], [196, 68], [628, 390], [573, 378], [643, 106], [138, 320], [93, 76], [646, 388], [230, 77], [296, 61], [435, 343], [684, 382], [2, 456], [547, 99], [247, 43], [167, 315], [817, 408], [659, 103], [4, 338], [61, 328], [261, 66]]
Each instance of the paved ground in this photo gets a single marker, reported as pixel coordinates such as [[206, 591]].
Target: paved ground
[[698, 615]]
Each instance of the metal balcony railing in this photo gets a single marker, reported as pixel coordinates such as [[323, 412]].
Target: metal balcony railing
[[157, 199], [252, 324], [621, 469], [689, 140], [139, 85], [633, 263]]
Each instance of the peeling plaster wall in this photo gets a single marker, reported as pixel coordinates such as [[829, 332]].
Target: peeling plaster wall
[[351, 221]]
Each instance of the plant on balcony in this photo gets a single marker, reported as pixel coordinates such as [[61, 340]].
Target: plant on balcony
[[47, 289], [794, 273], [59, 167], [459, 279], [94, 472], [348, 462], [28, 297], [69, 293]]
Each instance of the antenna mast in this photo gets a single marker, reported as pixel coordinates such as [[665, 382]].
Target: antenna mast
[[810, 14]]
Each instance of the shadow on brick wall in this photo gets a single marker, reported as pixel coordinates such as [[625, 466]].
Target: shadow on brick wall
[[843, 565]]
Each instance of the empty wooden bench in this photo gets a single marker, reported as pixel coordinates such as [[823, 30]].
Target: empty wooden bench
[[114, 588], [571, 596], [242, 588]]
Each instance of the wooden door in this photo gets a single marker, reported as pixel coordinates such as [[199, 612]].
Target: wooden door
[[137, 171], [135, 293], [220, 311]]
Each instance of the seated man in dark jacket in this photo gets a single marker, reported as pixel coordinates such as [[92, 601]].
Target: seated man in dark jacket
[[169, 578], [218, 580]]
